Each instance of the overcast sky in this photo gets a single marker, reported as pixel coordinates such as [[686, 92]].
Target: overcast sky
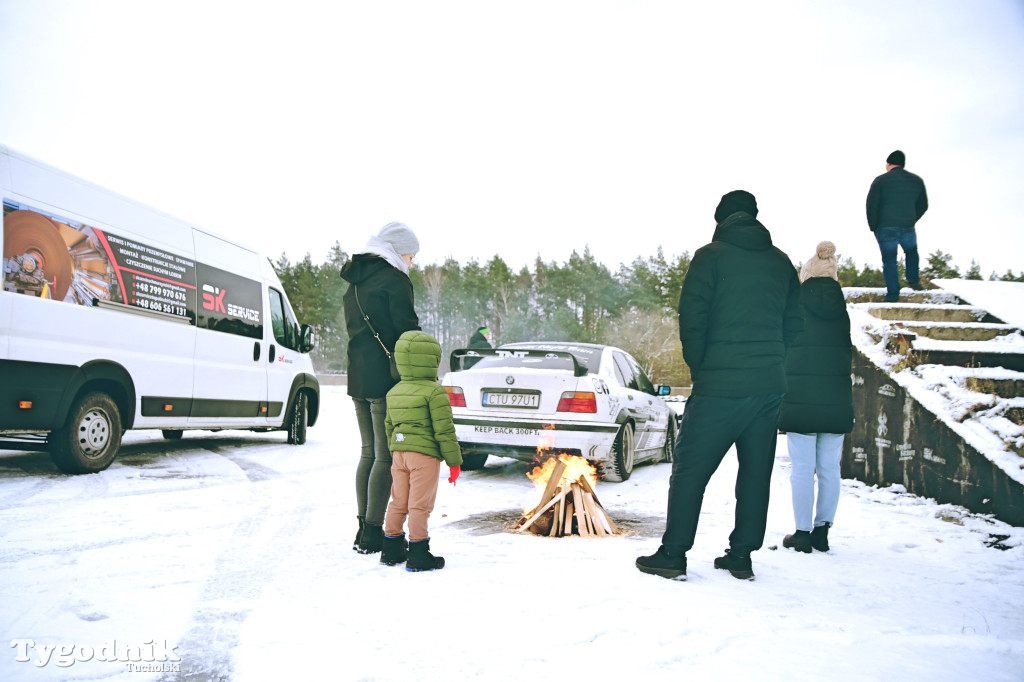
[[530, 128]]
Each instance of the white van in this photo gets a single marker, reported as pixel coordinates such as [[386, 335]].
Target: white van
[[115, 316]]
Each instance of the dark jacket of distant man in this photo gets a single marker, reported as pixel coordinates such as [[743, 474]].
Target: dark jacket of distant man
[[738, 311], [897, 198], [478, 340]]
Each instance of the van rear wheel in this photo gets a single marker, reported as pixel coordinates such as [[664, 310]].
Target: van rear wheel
[[298, 419], [89, 440]]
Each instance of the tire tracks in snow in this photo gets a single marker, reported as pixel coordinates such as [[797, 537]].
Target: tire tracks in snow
[[247, 563]]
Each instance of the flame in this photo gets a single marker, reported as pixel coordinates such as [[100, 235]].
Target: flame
[[576, 467]]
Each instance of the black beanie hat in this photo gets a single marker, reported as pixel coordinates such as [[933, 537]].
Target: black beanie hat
[[734, 201], [897, 158]]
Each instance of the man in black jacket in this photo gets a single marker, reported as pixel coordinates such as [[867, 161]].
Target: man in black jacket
[[481, 338], [896, 201], [738, 312]]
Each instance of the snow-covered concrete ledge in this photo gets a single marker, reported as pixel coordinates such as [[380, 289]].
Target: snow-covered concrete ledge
[[980, 419]]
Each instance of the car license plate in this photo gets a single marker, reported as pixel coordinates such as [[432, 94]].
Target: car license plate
[[528, 400]]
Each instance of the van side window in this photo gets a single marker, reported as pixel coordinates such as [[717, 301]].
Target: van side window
[[286, 329], [229, 303]]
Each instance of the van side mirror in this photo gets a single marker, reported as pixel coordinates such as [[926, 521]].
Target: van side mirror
[[664, 389], [307, 339]]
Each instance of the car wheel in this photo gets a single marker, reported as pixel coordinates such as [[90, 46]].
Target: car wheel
[[670, 442], [89, 441], [172, 434], [471, 462], [624, 455], [298, 419]]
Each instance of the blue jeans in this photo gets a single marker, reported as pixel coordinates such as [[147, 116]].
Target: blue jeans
[[373, 474], [710, 426], [889, 241], [813, 453]]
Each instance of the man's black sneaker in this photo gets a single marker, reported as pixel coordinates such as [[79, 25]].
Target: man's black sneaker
[[739, 566], [660, 563], [917, 286]]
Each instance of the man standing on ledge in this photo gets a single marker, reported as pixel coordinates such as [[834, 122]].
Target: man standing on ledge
[[738, 312], [896, 201]]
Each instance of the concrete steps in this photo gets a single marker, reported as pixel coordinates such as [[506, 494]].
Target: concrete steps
[[967, 357], [927, 313], [936, 327], [931, 297], [952, 331], [940, 410], [1002, 388]]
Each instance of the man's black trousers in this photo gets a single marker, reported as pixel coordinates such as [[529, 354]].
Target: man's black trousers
[[710, 426]]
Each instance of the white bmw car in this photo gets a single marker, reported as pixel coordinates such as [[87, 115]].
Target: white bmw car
[[524, 400]]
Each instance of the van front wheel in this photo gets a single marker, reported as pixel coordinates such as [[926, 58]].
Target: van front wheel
[[89, 440], [298, 419]]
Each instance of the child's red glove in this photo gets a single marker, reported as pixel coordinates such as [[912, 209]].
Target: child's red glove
[[453, 474]]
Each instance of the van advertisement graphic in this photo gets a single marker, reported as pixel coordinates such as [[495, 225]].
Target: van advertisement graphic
[[52, 257], [152, 279]]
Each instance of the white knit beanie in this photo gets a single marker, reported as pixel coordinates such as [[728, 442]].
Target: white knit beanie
[[821, 264], [400, 237]]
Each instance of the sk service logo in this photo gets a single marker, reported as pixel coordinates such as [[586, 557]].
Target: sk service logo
[[213, 299]]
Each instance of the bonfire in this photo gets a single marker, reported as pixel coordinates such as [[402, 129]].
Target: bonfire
[[568, 504]]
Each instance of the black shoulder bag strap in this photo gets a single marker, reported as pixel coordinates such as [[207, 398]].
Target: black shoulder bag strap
[[369, 324]]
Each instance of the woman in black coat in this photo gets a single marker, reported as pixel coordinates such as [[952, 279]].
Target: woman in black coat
[[379, 276], [817, 410]]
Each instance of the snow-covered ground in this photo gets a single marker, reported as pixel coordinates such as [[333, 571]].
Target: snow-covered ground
[[234, 549]]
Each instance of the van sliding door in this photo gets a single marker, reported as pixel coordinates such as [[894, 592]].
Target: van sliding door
[[231, 354]]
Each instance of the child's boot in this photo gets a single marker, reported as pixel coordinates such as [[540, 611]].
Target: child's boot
[[394, 550], [420, 558]]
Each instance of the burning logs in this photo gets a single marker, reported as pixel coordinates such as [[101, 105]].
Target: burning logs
[[568, 504]]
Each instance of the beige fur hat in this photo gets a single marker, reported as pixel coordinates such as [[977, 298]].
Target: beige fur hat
[[821, 264]]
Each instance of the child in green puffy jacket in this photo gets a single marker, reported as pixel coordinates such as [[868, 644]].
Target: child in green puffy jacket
[[421, 433]]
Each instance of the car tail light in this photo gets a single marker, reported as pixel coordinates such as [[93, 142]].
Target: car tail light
[[455, 396], [577, 401]]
